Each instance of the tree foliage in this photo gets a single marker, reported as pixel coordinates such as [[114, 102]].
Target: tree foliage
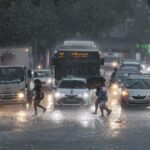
[[47, 21]]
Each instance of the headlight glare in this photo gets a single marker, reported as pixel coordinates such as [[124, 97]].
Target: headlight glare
[[114, 86], [49, 81], [21, 95], [85, 95], [58, 95], [125, 93], [114, 64]]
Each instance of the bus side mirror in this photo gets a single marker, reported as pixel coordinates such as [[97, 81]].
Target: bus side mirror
[[102, 61], [29, 73]]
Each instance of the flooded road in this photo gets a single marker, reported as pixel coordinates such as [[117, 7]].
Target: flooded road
[[74, 128]]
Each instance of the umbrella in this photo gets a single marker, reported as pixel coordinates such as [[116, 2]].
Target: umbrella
[[93, 81]]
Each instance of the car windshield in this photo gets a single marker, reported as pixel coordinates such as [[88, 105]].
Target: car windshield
[[120, 76], [131, 65], [110, 59], [137, 84], [129, 69], [11, 75], [41, 74], [72, 84]]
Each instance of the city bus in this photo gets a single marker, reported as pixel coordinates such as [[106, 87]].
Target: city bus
[[77, 58]]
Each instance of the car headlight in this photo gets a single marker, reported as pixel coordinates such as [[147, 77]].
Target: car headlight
[[21, 95], [49, 81], [86, 95], [148, 68], [125, 93], [58, 95], [114, 64]]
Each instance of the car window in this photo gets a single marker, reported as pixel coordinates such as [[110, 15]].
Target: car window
[[137, 84], [73, 84]]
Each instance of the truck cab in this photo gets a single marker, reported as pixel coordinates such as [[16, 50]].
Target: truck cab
[[15, 75], [14, 85]]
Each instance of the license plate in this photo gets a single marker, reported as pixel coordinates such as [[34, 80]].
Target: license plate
[[71, 100]]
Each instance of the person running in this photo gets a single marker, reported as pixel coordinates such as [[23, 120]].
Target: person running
[[102, 79], [37, 92], [102, 97]]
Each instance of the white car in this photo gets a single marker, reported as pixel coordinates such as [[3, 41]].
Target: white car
[[45, 76], [72, 91]]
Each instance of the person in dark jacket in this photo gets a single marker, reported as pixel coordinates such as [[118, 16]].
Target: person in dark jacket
[[37, 92], [102, 97], [97, 90]]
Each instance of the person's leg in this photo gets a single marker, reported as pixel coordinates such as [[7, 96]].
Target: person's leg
[[96, 106], [35, 108], [107, 109], [38, 104], [102, 111]]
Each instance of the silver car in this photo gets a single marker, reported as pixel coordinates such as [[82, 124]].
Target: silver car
[[136, 89]]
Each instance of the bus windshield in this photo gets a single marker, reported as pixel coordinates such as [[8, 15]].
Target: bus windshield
[[80, 64]]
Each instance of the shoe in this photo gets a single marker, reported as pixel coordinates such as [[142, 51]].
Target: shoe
[[109, 112], [44, 110]]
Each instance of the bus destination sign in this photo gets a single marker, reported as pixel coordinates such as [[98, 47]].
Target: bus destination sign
[[74, 54]]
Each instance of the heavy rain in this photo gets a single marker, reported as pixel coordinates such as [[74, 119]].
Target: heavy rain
[[74, 74]]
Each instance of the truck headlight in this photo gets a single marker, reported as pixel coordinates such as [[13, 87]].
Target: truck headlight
[[21, 95]]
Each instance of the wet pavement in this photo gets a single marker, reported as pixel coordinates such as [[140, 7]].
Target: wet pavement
[[75, 128]]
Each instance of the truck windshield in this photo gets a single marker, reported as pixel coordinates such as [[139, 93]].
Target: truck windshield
[[11, 75]]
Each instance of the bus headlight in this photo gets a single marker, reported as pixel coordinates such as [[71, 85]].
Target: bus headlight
[[21, 95]]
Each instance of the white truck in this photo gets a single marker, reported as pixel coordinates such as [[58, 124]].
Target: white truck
[[15, 75]]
